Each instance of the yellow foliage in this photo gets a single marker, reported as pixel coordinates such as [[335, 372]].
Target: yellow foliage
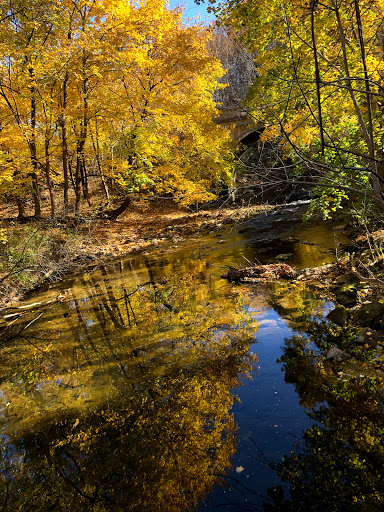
[[3, 236], [122, 86]]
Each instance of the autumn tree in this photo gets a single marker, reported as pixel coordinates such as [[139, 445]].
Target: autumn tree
[[319, 92], [164, 139], [25, 38], [117, 92]]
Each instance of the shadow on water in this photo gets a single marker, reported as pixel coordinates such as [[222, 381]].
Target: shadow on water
[[141, 390]]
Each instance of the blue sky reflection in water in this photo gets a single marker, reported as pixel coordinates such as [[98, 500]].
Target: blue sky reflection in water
[[271, 422]]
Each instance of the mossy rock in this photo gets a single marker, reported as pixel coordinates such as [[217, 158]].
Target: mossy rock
[[346, 295]]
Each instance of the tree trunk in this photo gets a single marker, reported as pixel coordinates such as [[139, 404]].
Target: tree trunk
[[78, 177], [232, 189], [48, 176], [377, 192], [20, 208], [113, 214], [96, 148], [80, 164], [84, 182], [64, 147], [33, 149]]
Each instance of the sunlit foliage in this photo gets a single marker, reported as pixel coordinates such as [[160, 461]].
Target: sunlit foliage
[[319, 91], [119, 93]]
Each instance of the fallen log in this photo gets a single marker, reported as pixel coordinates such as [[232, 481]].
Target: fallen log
[[260, 273]]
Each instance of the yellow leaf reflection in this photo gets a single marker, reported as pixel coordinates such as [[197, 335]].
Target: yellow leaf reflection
[[126, 401]]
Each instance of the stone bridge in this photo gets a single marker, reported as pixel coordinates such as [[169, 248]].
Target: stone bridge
[[243, 128]]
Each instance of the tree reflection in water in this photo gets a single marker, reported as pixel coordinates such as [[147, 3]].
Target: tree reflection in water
[[121, 400], [339, 465]]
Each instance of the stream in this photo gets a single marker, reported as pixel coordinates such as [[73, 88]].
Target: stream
[[155, 385]]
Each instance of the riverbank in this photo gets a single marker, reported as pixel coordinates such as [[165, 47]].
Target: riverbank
[[43, 252], [39, 252], [354, 283]]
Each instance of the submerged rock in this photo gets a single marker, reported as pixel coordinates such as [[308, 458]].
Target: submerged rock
[[368, 336], [369, 314], [338, 316], [285, 256], [336, 354]]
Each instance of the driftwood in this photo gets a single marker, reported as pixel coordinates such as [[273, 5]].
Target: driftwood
[[13, 330], [10, 315], [260, 273]]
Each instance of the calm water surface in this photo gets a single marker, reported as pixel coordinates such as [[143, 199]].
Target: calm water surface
[[155, 385]]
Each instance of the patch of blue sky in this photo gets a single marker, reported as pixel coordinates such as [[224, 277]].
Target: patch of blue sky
[[192, 10]]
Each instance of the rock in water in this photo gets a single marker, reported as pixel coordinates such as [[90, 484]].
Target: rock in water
[[368, 337], [338, 316], [370, 314], [260, 272], [335, 354], [282, 257], [346, 295]]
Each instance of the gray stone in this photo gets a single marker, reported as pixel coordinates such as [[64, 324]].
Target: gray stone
[[338, 316], [336, 354], [369, 314], [368, 336]]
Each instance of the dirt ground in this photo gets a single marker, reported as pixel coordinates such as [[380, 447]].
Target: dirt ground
[[145, 226]]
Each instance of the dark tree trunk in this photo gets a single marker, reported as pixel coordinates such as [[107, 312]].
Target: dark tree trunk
[[84, 182], [33, 149], [64, 147], [113, 214], [80, 164], [20, 208], [78, 177], [48, 177]]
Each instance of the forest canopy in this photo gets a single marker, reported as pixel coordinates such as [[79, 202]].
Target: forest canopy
[[117, 92]]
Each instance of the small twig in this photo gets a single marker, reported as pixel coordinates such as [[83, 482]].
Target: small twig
[[31, 322]]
